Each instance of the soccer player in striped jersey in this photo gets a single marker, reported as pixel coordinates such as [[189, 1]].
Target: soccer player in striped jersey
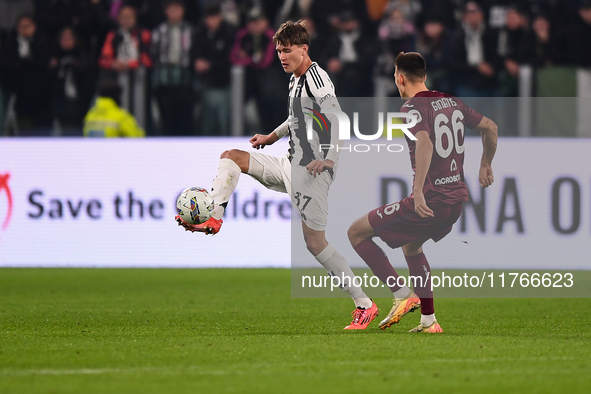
[[307, 172], [437, 158]]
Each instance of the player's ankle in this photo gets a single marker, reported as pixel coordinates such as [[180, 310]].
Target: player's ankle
[[403, 292], [363, 302], [428, 320], [218, 212]]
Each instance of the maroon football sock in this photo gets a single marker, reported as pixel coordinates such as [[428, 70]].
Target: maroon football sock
[[376, 259], [418, 266]]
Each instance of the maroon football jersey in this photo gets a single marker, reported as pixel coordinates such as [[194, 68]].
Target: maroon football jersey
[[444, 118]]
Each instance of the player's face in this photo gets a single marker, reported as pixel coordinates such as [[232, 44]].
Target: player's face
[[291, 57]]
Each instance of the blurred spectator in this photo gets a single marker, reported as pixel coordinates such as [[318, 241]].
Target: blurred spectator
[[254, 49], [98, 27], [473, 56], [351, 58], [212, 64], [54, 15], [543, 49], [433, 43], [580, 36], [270, 8], [410, 9], [254, 44], [496, 11], [396, 34], [107, 119], [125, 58], [25, 61], [326, 15], [445, 10], [151, 13], [293, 10], [71, 93], [127, 47], [512, 39], [171, 76]]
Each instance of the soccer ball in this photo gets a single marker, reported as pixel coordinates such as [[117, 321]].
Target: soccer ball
[[194, 205]]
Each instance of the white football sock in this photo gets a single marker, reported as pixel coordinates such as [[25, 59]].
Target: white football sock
[[224, 185], [337, 266], [427, 320], [403, 292]]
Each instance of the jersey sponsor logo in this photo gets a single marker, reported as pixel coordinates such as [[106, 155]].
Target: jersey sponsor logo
[[324, 98], [447, 179], [443, 103], [454, 166], [6, 188]]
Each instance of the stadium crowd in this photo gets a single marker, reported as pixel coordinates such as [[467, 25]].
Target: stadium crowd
[[174, 58]]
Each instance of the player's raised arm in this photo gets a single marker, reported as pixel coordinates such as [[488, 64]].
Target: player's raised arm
[[423, 154], [489, 131], [259, 141]]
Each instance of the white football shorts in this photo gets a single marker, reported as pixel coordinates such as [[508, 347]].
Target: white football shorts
[[308, 195]]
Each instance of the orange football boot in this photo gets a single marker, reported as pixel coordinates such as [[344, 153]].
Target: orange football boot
[[362, 317], [210, 226]]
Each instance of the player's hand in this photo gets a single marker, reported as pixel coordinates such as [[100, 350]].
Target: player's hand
[[259, 141], [317, 166], [421, 207], [485, 176], [486, 69]]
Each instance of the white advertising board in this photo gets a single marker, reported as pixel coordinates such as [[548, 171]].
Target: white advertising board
[[112, 203]]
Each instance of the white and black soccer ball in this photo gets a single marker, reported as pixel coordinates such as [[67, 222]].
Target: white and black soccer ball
[[195, 205]]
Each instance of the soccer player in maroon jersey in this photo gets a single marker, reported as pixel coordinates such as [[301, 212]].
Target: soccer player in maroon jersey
[[437, 158]]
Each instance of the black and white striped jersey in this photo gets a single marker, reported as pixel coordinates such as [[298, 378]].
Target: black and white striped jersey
[[310, 96]]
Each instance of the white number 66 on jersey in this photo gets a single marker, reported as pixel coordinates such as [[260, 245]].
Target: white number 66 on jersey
[[441, 122]]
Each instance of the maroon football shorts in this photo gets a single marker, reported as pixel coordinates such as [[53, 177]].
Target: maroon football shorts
[[398, 224]]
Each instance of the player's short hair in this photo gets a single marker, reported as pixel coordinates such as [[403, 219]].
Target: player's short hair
[[292, 33], [412, 65]]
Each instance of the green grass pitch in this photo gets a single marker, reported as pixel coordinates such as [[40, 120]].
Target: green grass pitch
[[238, 331]]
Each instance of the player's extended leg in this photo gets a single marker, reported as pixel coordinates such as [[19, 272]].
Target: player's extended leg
[[360, 235], [336, 265], [232, 163], [419, 267]]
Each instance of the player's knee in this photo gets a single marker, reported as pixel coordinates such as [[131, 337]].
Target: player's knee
[[353, 235], [314, 248], [356, 234], [315, 245], [229, 154], [237, 156], [411, 249]]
